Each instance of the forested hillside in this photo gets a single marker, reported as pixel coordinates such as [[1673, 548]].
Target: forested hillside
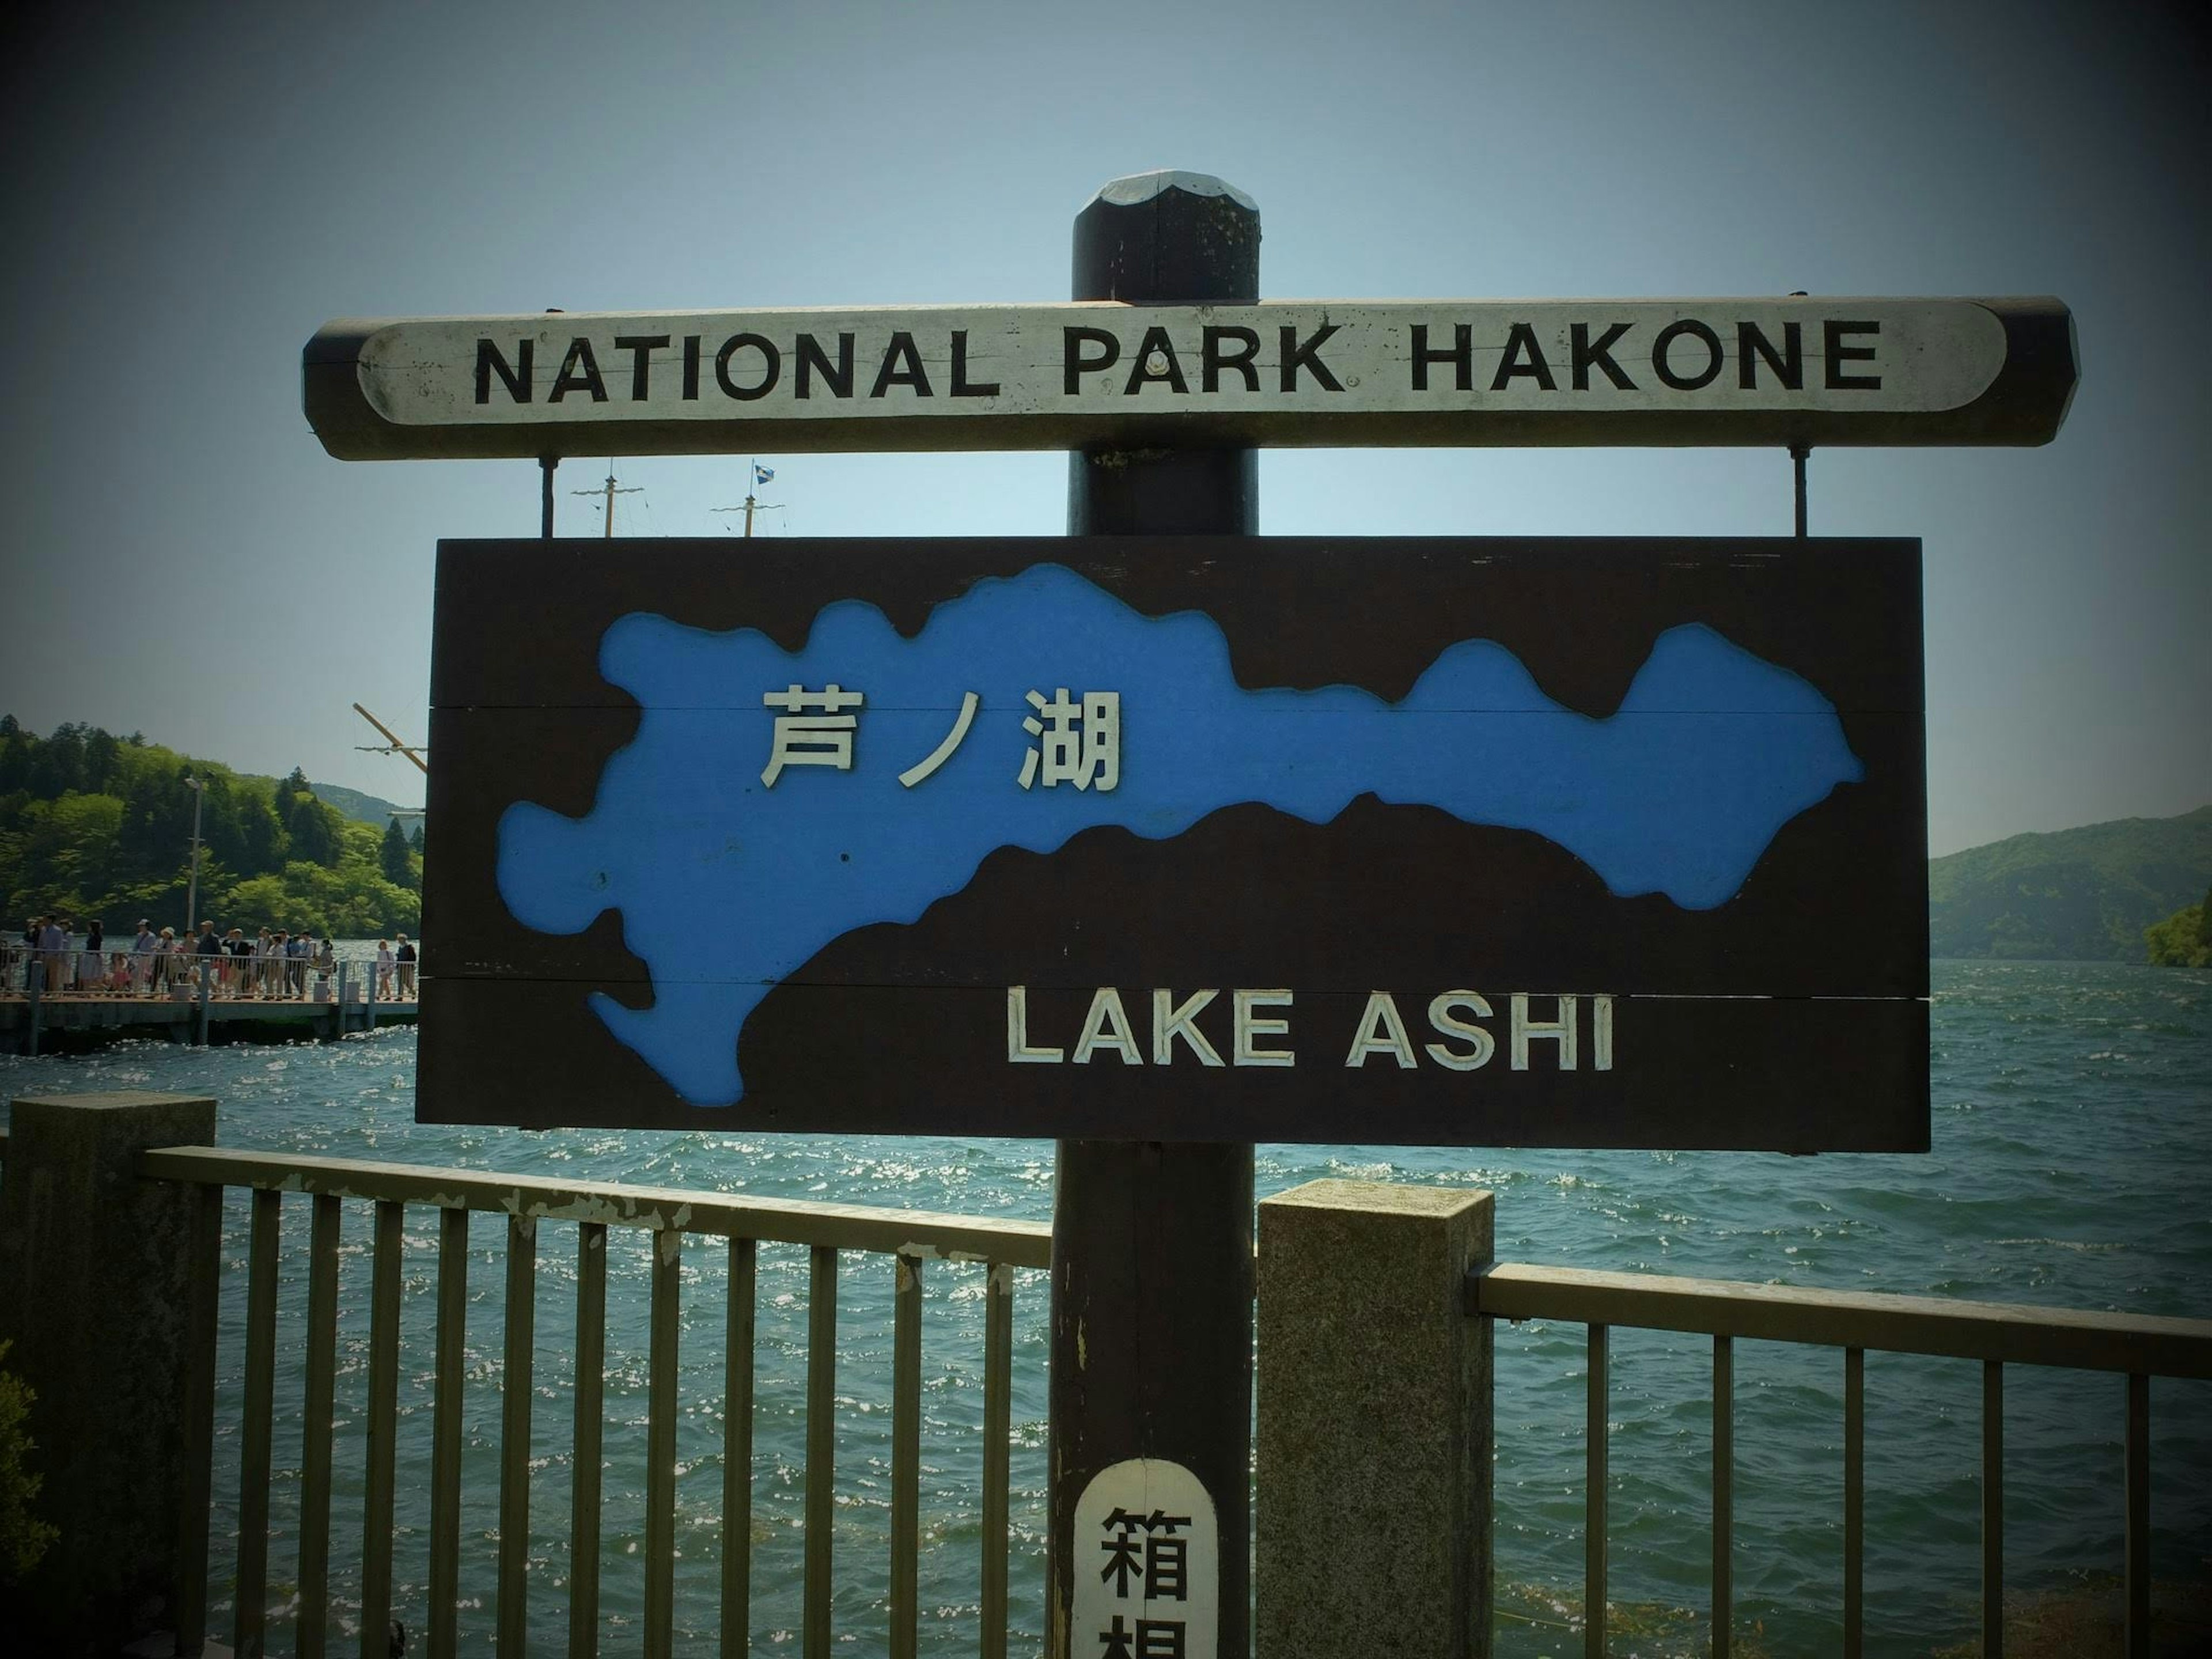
[[372, 809], [98, 827], [2184, 939], [95, 826], [2082, 895]]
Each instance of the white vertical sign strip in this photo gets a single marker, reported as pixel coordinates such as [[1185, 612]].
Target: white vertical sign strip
[[1146, 1563], [1104, 360]]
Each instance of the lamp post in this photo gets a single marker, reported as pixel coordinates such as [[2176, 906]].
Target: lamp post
[[198, 786]]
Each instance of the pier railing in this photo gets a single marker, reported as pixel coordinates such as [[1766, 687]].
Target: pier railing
[[907, 1239], [116, 970], [192, 997], [1414, 1301], [1995, 1335], [1376, 1308], [582, 1213]]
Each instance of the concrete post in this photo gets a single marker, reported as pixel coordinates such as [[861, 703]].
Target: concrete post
[[108, 1292], [1372, 1491]]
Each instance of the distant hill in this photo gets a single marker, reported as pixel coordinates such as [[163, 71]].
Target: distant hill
[[362, 809], [2082, 895], [352, 804]]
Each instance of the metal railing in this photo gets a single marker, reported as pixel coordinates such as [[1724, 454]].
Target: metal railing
[[1995, 1334], [911, 1237], [2138, 1347], [117, 969]]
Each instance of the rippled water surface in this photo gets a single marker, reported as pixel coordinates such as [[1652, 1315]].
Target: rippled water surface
[[2072, 1164]]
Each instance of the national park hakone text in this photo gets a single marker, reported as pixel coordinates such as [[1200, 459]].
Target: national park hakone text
[[1686, 355]]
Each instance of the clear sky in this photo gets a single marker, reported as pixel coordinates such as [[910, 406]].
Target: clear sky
[[192, 191]]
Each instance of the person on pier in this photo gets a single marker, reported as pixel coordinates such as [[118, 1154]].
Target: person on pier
[[53, 953], [142, 956]]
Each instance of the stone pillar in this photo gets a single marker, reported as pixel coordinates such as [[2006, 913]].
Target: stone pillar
[[1372, 1487], [108, 1287]]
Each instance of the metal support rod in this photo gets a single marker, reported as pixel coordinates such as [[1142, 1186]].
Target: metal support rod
[[2138, 1521], [738, 1448], [250, 1614], [314, 1627], [202, 1317], [1798, 452], [1151, 1253], [997, 1368], [514, 1392], [661, 1447], [445, 1407], [1854, 1501], [1595, 1481], [906, 1454], [546, 463], [1993, 1509], [590, 1427], [816, 1636], [1724, 1491], [383, 1429]]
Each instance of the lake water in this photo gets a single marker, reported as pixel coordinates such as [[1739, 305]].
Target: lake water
[[2072, 1165]]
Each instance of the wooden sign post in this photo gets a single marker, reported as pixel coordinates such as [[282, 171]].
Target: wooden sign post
[[1160, 839], [1152, 1242]]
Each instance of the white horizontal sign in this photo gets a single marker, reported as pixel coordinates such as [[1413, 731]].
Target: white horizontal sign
[[1054, 376]]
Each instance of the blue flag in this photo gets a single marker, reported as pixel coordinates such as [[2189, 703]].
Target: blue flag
[[762, 474]]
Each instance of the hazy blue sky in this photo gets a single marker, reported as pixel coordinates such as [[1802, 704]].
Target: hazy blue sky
[[192, 191]]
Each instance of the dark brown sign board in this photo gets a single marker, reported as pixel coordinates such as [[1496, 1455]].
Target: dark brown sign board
[[1497, 842]]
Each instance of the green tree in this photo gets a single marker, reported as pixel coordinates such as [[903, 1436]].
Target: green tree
[[313, 827], [398, 862], [263, 843], [16, 745], [155, 830], [2182, 939], [102, 755], [57, 764], [415, 840]]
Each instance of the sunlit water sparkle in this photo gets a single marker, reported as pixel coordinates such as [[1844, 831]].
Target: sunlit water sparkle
[[2073, 1119]]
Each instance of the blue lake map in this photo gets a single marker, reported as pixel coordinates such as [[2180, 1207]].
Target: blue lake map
[[730, 870]]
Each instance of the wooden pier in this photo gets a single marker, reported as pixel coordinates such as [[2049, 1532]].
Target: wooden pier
[[74, 1021]]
